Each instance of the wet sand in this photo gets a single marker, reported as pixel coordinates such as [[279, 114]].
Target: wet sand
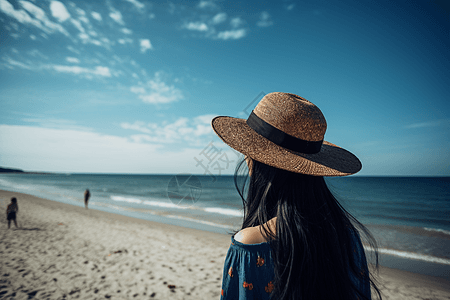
[[62, 251]]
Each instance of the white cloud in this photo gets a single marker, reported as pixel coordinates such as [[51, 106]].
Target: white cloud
[[81, 12], [15, 26], [92, 33], [73, 60], [86, 38], [265, 19], [433, 123], [116, 16], [11, 63], [138, 90], [145, 45], [160, 92], [105, 41], [219, 18], [125, 41], [20, 15], [56, 123], [126, 31], [204, 119], [71, 150], [40, 21], [41, 16], [99, 70], [236, 22], [68, 150], [183, 130], [137, 4], [96, 15], [59, 11], [207, 5], [70, 48], [102, 71], [199, 26], [208, 29], [34, 10], [290, 6], [232, 34], [78, 25], [169, 94], [84, 19], [138, 126], [36, 53]]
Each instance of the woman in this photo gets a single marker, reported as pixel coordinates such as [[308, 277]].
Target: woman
[[296, 241], [87, 194], [11, 212]]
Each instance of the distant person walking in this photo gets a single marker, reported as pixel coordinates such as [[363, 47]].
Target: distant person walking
[[87, 194], [11, 212]]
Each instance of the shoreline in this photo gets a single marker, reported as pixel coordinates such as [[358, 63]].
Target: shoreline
[[388, 257], [90, 254], [62, 249]]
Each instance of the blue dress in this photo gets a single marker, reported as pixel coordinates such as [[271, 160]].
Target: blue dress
[[248, 271]]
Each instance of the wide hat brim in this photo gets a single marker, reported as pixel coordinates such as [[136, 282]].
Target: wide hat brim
[[330, 161]]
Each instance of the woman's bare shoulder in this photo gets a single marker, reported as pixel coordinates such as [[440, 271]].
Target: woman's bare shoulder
[[250, 235], [254, 235]]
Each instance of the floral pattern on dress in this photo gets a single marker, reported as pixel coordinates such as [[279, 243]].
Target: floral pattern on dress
[[259, 261], [248, 272], [269, 288], [248, 285]]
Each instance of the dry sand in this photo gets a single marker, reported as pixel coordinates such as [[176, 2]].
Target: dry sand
[[62, 251]]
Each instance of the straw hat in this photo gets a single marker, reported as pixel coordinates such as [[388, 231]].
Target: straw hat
[[287, 131]]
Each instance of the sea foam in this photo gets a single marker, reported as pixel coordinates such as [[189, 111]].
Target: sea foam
[[438, 230], [412, 255], [200, 221], [163, 204], [126, 199], [224, 211]]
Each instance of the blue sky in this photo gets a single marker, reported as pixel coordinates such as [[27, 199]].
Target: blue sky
[[131, 86]]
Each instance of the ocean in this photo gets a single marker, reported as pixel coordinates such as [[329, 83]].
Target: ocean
[[408, 216]]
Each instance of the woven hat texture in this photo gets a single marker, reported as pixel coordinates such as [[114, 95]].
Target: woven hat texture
[[298, 118]]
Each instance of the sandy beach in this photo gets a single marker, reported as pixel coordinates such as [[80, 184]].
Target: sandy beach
[[62, 251]]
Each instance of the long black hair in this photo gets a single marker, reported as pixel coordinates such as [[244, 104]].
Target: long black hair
[[313, 248]]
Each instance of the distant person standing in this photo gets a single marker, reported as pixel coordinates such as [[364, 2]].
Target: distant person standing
[[87, 194], [11, 212]]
